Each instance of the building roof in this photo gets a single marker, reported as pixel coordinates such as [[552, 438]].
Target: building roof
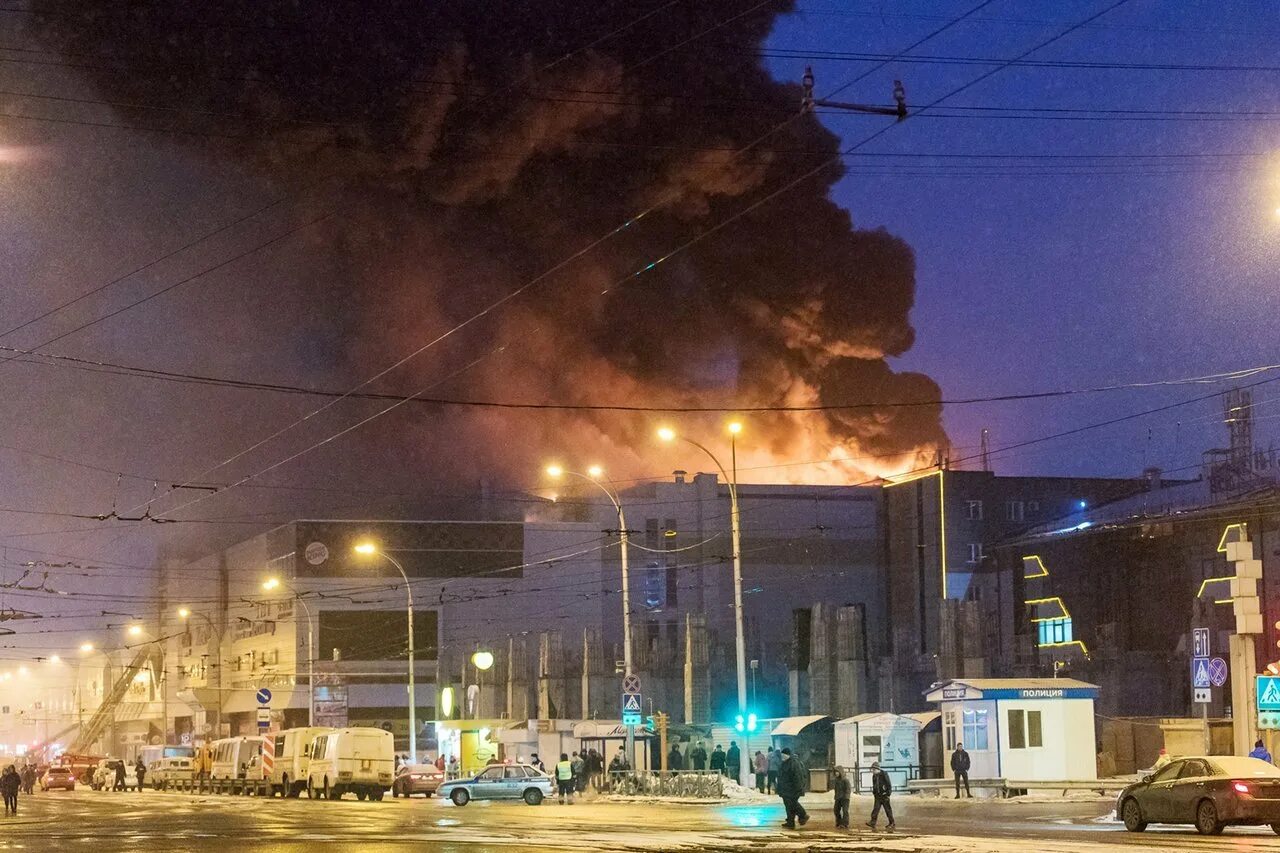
[[858, 719], [1015, 683], [794, 725], [960, 689]]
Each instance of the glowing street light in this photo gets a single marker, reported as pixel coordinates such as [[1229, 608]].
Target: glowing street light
[[368, 548], [86, 647], [135, 630], [55, 659], [734, 428], [482, 661], [274, 583], [183, 613], [593, 475]]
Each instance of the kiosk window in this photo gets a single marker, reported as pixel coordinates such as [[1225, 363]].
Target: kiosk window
[[1024, 729], [974, 725]]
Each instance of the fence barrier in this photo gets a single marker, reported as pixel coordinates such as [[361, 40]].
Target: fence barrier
[[693, 784]]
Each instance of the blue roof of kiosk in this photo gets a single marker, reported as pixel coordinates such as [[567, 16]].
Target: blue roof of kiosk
[[1012, 688]]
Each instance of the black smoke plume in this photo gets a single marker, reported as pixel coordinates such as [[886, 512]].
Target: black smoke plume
[[475, 144]]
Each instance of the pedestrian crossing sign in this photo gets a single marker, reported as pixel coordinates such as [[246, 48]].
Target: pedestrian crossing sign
[[631, 702], [1200, 673], [1268, 687]]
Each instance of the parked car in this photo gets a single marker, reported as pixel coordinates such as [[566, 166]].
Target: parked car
[[1210, 792], [417, 779], [58, 777], [355, 760], [104, 777], [500, 782]]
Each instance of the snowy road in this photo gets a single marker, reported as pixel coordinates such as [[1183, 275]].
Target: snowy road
[[165, 821]]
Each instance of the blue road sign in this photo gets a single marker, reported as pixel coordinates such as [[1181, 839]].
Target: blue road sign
[[1200, 672], [1268, 687], [264, 696], [1200, 642], [1218, 672], [631, 704]]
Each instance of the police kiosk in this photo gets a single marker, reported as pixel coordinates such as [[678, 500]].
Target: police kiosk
[[1019, 729]]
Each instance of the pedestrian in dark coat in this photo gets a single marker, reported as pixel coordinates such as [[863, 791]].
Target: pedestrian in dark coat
[[793, 783], [28, 776], [843, 790], [960, 767], [698, 757], [141, 770], [881, 789], [733, 762], [120, 776], [717, 759], [675, 761], [10, 782]]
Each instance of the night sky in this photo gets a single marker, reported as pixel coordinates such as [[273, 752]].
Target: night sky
[[1135, 241]]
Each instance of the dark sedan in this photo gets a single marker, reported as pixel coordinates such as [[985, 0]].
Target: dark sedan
[[416, 779], [1210, 792]]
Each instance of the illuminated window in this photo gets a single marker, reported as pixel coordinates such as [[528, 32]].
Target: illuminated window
[[1053, 631], [975, 510], [974, 728]]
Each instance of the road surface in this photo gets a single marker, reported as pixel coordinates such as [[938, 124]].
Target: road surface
[[156, 821]]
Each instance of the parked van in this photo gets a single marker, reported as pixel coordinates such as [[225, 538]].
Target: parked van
[[357, 760], [237, 758], [151, 754], [289, 776], [164, 771]]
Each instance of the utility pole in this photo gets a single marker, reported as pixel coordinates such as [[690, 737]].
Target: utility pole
[[660, 720]]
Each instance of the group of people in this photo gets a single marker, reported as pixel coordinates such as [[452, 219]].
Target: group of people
[[573, 774], [14, 781], [726, 763]]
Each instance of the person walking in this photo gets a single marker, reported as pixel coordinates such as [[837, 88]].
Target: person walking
[[733, 762], [141, 770], [564, 778], [960, 767], [842, 790], [698, 757], [717, 760], [675, 761], [793, 783], [10, 782], [775, 765], [28, 776], [579, 765], [881, 790], [1260, 752], [119, 786], [761, 767]]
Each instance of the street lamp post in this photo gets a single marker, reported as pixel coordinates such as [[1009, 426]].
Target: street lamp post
[[272, 583], [593, 476], [370, 548], [668, 435]]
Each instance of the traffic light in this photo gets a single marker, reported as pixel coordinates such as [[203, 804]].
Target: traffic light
[[745, 724]]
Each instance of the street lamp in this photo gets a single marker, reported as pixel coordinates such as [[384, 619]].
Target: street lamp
[[667, 434], [593, 475], [370, 549], [135, 630], [274, 583]]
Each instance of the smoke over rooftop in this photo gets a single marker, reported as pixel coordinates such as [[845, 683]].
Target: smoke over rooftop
[[475, 145]]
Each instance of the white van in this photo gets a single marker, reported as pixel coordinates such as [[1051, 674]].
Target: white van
[[357, 760], [289, 776], [237, 758], [164, 771]]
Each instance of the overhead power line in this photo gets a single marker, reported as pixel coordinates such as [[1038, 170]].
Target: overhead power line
[[114, 368]]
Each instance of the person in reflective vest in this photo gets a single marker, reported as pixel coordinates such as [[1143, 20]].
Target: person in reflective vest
[[564, 778]]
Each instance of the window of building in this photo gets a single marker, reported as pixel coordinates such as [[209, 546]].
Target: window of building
[[375, 634], [974, 728], [949, 730], [975, 510], [1025, 730], [1015, 510], [975, 552], [1054, 631], [1033, 507]]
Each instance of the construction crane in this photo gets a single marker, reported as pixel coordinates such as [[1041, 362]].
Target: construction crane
[[105, 713], [808, 102]]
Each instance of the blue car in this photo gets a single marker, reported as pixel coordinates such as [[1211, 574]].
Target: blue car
[[500, 782]]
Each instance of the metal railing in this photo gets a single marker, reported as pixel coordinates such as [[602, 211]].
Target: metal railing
[[899, 775], [691, 784]]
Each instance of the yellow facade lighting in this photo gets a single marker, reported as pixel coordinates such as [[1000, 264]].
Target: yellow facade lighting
[[1241, 531], [1033, 567]]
